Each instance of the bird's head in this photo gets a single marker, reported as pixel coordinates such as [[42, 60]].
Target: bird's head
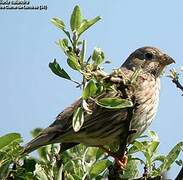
[[151, 60]]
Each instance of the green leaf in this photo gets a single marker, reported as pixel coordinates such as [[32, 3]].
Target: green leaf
[[100, 88], [70, 177], [98, 56], [172, 156], [139, 145], [99, 167], [4, 169], [73, 63], [56, 69], [89, 90], [100, 177], [153, 136], [140, 160], [9, 138], [90, 154], [148, 158], [40, 172], [114, 103], [78, 119], [133, 150], [86, 24], [99, 153], [63, 44], [58, 23], [160, 158], [152, 147], [131, 171], [60, 173], [29, 164], [75, 20]]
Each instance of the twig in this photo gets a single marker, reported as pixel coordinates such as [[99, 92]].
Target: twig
[[87, 61], [178, 84], [180, 175], [76, 82]]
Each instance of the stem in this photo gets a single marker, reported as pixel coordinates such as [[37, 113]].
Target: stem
[[68, 35], [88, 59], [180, 175], [178, 84], [76, 82]]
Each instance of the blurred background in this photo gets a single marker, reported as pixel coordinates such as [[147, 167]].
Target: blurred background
[[31, 95]]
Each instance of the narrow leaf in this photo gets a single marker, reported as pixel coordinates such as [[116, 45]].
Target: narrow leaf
[[99, 167], [9, 138], [56, 69], [89, 90], [86, 24], [172, 155], [75, 20], [114, 103], [58, 23], [78, 119]]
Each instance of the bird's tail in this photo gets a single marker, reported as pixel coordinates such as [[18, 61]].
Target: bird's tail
[[41, 140]]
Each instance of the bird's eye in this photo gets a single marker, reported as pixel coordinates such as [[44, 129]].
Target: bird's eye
[[148, 56]]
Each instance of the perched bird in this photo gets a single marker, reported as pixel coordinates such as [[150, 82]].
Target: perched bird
[[105, 126]]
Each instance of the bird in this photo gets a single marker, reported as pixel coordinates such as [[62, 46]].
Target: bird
[[105, 126]]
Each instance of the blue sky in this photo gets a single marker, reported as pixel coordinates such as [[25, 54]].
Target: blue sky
[[31, 96]]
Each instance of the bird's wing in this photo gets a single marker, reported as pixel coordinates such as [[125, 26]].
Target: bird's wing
[[97, 126], [48, 135]]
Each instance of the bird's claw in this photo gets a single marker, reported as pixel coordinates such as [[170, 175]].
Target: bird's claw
[[121, 162]]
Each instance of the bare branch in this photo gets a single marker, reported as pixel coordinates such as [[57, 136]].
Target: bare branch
[[178, 84], [180, 175]]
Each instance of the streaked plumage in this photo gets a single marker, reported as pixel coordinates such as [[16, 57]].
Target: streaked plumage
[[105, 126]]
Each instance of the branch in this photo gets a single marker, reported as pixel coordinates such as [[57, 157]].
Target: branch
[[178, 84], [180, 175]]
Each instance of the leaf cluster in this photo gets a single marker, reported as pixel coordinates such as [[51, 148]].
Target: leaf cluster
[[81, 162], [94, 83]]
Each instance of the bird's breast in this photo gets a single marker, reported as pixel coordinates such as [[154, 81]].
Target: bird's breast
[[146, 101]]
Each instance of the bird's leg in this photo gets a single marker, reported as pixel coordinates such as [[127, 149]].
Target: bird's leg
[[120, 159]]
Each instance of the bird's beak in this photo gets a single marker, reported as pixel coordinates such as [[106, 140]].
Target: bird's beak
[[166, 60]]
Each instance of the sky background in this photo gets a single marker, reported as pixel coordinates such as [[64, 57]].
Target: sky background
[[31, 96]]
